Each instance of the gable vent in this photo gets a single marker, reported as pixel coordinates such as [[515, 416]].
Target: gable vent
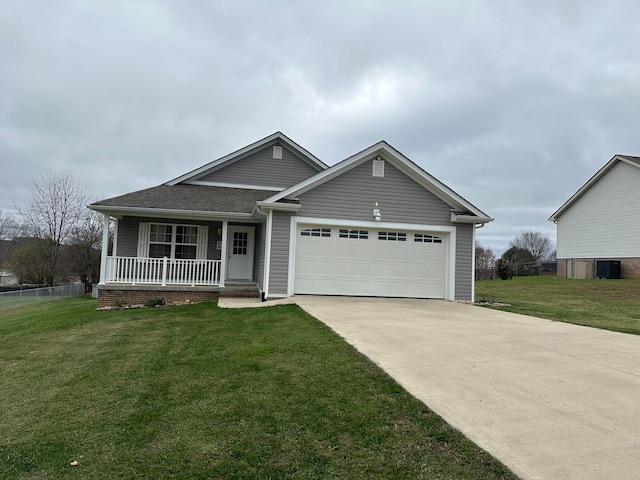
[[378, 167], [277, 151]]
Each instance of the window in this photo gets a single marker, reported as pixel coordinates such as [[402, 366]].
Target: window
[[393, 236], [361, 234], [173, 241], [315, 232], [424, 238], [240, 243]]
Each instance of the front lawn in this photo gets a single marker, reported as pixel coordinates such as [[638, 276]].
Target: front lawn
[[201, 392], [608, 304]]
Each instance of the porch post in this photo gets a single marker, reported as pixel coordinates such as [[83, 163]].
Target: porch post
[[223, 253], [105, 248]]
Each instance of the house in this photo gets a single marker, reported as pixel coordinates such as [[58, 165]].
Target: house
[[601, 222], [272, 220], [8, 278]]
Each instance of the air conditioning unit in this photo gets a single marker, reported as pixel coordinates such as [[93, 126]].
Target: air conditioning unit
[[608, 268]]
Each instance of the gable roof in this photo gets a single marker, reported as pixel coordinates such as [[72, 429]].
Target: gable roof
[[189, 200], [628, 159], [463, 210], [277, 137]]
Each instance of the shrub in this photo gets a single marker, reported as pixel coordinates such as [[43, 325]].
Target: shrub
[[154, 302]]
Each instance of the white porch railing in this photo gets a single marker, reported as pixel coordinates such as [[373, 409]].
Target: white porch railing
[[162, 271]]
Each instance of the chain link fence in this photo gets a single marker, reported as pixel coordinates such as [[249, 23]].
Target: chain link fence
[[20, 298]]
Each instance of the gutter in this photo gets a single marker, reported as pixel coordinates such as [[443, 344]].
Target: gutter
[[163, 212]]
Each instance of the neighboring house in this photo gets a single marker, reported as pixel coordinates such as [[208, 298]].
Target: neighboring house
[[8, 278], [272, 220], [601, 222]]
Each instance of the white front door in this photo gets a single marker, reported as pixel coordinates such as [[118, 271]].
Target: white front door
[[240, 252]]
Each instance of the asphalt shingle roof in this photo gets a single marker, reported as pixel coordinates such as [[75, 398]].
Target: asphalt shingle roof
[[190, 197]]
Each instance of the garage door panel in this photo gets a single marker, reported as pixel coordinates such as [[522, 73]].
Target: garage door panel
[[378, 265]]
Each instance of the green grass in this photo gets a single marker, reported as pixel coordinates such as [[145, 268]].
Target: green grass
[[197, 391], [607, 304]]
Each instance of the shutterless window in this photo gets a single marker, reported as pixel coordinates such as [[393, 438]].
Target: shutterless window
[[360, 234], [173, 241], [393, 236], [315, 232]]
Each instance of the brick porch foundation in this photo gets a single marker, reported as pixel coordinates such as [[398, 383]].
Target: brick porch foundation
[[110, 296]]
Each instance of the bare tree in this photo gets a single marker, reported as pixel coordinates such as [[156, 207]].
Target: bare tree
[[56, 207], [535, 242], [7, 231], [7, 226], [485, 260], [82, 253]]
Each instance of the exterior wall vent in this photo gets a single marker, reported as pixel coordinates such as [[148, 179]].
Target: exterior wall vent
[[277, 151], [378, 167]]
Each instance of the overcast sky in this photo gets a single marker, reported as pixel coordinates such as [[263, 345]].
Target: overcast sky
[[513, 104]]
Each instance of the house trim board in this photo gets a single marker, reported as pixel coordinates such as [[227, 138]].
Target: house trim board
[[233, 185], [170, 213], [451, 231]]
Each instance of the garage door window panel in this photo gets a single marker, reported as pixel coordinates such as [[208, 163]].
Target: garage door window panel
[[392, 236], [316, 232], [424, 238], [354, 234]]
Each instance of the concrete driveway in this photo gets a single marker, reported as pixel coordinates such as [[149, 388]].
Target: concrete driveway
[[550, 400]]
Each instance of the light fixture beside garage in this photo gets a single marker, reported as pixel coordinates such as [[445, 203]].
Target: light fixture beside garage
[[377, 216]]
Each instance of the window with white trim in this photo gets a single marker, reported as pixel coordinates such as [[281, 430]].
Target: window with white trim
[[315, 232], [424, 238], [393, 236], [175, 241], [360, 234]]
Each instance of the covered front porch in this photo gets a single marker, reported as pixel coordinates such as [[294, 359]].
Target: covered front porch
[[178, 259]]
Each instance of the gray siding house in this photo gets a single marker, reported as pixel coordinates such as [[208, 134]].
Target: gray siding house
[[272, 220]]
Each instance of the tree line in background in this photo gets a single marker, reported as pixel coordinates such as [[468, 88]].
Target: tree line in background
[[53, 238], [525, 256]]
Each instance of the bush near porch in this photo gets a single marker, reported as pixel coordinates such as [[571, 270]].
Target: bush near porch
[[607, 304], [196, 391]]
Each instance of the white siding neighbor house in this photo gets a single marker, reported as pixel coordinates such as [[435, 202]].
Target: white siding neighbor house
[[601, 222], [271, 220]]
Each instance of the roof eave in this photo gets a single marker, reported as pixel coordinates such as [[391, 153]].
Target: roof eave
[[167, 212], [589, 183], [466, 218], [283, 207]]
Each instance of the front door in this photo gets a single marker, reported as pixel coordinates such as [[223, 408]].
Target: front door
[[240, 252]]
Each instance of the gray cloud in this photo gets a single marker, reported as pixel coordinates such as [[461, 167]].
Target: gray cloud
[[512, 104]]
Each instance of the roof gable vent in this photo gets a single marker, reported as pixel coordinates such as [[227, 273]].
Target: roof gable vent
[[378, 167], [277, 151]]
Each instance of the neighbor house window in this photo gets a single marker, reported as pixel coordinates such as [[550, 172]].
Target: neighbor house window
[[158, 240]]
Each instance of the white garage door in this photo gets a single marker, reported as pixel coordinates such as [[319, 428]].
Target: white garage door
[[359, 261]]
